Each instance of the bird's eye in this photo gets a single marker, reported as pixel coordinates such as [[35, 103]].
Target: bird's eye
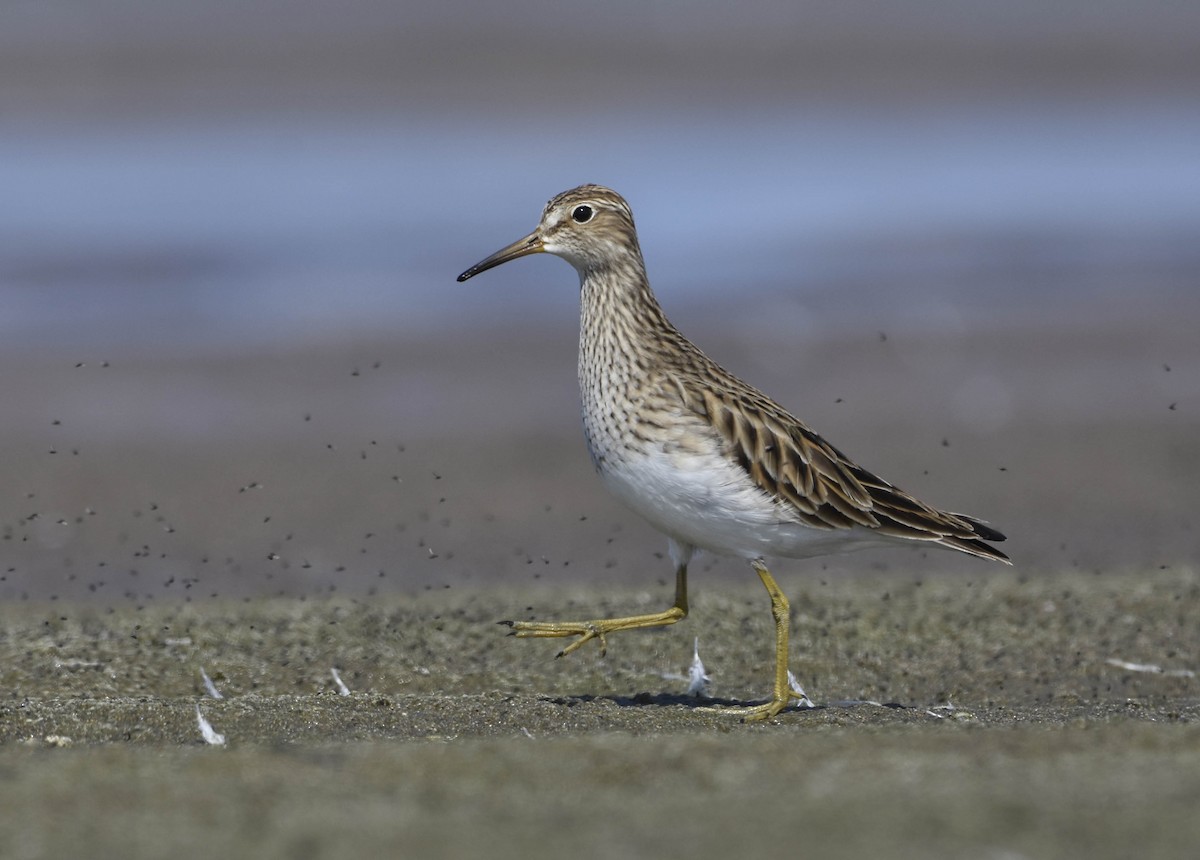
[[582, 214]]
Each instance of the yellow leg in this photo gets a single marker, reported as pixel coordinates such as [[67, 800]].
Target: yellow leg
[[598, 629], [782, 693]]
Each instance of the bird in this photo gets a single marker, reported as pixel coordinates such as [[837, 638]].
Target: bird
[[707, 459]]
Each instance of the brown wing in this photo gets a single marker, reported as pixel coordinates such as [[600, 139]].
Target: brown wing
[[822, 487]]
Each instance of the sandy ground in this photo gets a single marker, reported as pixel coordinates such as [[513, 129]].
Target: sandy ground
[[980, 719]]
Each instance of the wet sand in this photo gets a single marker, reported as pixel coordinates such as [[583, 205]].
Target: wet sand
[[456, 461]]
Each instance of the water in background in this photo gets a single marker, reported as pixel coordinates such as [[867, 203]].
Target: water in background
[[282, 229]]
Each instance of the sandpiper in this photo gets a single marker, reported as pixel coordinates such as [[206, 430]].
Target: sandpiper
[[709, 460]]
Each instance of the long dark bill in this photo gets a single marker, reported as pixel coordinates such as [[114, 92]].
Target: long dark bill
[[531, 244]]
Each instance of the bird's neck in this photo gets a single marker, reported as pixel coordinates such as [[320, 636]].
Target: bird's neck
[[617, 307], [622, 334]]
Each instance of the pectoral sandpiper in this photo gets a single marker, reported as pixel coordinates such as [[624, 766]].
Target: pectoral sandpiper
[[710, 461]]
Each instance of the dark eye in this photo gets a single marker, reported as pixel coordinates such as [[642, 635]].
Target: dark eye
[[582, 214]]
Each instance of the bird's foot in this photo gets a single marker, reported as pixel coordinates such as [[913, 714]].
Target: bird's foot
[[589, 630], [585, 630], [755, 713]]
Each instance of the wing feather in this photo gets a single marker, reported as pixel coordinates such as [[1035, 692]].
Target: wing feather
[[813, 481]]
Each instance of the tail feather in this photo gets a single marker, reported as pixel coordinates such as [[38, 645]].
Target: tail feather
[[982, 529], [975, 545]]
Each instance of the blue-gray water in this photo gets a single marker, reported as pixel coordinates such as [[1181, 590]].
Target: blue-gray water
[[332, 224]]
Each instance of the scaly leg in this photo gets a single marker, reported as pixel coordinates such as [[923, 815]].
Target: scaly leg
[[598, 629], [782, 693]]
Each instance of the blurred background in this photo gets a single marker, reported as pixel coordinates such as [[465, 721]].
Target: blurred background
[[961, 240]]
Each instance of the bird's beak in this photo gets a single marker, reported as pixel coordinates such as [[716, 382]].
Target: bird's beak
[[531, 244]]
